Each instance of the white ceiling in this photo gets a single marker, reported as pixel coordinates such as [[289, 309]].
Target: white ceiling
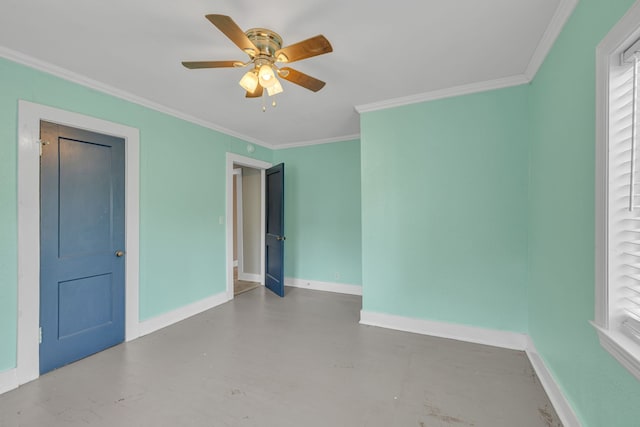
[[382, 51]]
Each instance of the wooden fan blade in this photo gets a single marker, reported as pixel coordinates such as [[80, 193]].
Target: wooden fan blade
[[314, 46], [301, 79], [192, 65], [230, 29], [256, 93]]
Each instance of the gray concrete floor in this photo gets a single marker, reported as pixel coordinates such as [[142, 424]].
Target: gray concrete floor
[[298, 361]]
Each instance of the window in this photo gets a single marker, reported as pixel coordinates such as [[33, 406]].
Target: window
[[617, 317]]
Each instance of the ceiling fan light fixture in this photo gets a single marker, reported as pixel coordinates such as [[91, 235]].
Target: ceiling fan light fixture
[[265, 49], [275, 89], [249, 81], [266, 76]]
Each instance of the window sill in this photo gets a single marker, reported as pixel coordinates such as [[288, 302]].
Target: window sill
[[620, 347]]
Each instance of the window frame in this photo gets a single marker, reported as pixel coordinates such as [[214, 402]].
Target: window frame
[[621, 36]]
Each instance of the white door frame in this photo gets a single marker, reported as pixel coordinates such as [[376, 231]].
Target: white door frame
[[232, 161], [237, 172], [29, 117]]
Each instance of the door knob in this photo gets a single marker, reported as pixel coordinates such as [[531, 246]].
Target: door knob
[[119, 253], [281, 238]]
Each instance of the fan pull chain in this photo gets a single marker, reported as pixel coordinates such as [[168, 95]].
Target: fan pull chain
[[264, 106]]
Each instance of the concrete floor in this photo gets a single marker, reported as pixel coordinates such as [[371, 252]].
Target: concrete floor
[[299, 361]]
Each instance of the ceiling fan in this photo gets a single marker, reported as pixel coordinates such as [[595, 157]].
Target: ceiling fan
[[264, 48]]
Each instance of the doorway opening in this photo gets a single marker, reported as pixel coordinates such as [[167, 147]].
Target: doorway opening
[[245, 223], [247, 200]]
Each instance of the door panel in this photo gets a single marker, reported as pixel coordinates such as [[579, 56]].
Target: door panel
[[274, 239], [84, 304], [82, 227], [85, 228]]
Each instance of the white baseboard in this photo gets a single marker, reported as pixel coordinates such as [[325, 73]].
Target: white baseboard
[[504, 339], [341, 288], [8, 380], [167, 319], [250, 277], [559, 401]]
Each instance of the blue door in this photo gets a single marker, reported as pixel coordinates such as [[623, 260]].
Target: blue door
[[81, 244], [274, 241]]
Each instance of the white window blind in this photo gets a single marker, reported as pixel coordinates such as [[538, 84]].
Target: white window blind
[[624, 195]]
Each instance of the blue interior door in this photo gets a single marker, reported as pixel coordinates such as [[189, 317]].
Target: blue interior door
[[81, 244], [274, 241]]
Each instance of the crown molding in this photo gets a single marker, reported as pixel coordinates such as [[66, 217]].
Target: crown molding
[[445, 93], [79, 79], [559, 19], [317, 142]]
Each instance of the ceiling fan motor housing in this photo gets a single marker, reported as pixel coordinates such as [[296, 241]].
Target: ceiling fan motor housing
[[267, 41]]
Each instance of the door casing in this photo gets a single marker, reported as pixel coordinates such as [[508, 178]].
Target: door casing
[[29, 116], [237, 177]]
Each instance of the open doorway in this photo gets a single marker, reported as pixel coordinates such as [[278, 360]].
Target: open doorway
[[247, 202], [245, 253]]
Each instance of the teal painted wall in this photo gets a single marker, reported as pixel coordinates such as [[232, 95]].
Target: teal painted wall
[[182, 187], [444, 198], [8, 227], [561, 223], [322, 212]]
